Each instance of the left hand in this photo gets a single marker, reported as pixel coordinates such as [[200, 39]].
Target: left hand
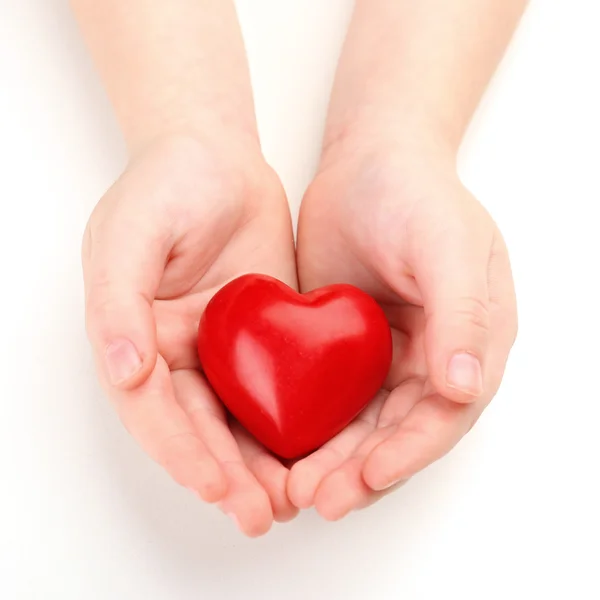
[[401, 226]]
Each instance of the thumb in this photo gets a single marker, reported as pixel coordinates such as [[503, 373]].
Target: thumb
[[123, 261], [452, 275]]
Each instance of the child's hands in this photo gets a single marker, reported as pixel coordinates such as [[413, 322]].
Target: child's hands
[[401, 226], [184, 219]]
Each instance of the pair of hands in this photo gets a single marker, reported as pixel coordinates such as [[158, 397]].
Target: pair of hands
[[189, 215]]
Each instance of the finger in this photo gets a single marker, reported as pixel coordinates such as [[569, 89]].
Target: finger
[[177, 329], [431, 429], [153, 417], [269, 472], [123, 260], [306, 475], [400, 402], [434, 425], [451, 269], [246, 502], [344, 490], [375, 497]]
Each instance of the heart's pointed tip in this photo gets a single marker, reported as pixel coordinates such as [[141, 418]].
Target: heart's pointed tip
[[289, 457]]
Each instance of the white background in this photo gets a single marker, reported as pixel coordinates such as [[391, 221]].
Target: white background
[[511, 513]]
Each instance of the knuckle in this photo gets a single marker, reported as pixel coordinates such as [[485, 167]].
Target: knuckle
[[474, 312]]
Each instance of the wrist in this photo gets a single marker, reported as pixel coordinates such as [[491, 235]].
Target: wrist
[[405, 142], [230, 159], [206, 130]]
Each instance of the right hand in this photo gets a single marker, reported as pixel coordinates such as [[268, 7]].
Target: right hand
[[185, 218], [396, 221]]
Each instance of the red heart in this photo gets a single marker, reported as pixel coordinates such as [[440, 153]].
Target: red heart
[[294, 369]]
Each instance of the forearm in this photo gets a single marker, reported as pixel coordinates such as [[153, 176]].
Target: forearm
[[409, 67], [170, 67]]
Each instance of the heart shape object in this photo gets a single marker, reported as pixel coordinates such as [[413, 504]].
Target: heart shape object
[[294, 369]]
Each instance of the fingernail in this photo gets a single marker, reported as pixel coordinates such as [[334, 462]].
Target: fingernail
[[234, 518], [383, 488], [464, 374], [122, 361]]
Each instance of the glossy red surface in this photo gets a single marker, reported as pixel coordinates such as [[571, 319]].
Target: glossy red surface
[[293, 369]]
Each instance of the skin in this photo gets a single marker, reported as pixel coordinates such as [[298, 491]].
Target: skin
[[388, 213], [198, 206]]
